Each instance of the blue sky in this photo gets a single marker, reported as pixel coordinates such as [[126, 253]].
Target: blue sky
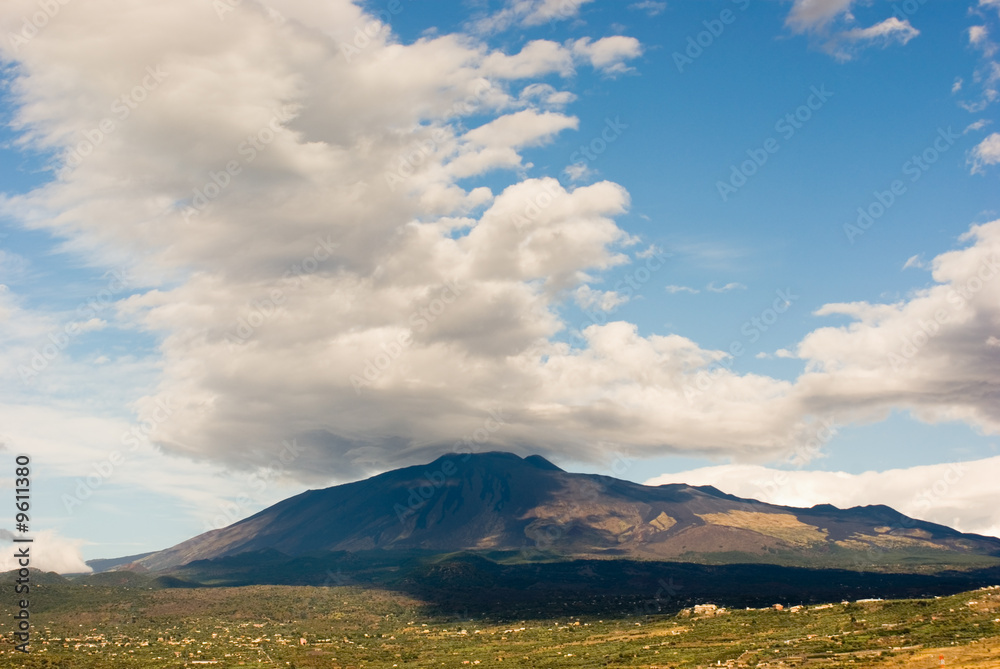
[[605, 119]]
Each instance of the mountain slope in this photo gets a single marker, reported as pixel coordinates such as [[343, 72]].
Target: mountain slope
[[501, 502]]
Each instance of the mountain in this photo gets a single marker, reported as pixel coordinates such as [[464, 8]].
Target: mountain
[[107, 564], [492, 503]]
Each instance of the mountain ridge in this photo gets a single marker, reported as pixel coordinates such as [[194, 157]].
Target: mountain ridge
[[499, 501]]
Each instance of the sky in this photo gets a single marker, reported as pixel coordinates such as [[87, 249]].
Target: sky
[[251, 247]]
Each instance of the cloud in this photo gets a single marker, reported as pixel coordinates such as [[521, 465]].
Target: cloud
[[673, 290], [578, 171], [607, 300], [536, 58], [831, 22], [608, 54], [651, 7], [541, 57], [495, 144], [652, 251], [959, 495], [986, 153], [809, 15], [49, 552], [978, 35], [975, 127], [887, 31], [332, 270], [712, 288], [543, 11], [927, 354], [546, 95], [913, 261], [530, 13], [987, 74]]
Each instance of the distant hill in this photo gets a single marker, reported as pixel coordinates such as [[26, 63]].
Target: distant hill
[[107, 564], [500, 502], [35, 576]]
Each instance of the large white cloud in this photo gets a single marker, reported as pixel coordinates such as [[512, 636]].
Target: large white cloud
[[48, 552], [299, 204], [932, 353]]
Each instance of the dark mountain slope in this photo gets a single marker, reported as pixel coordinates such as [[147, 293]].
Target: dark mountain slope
[[501, 502]]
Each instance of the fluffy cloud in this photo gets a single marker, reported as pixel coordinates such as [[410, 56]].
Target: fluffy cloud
[[987, 75], [530, 13], [605, 300], [959, 495], [537, 58], [651, 7], [49, 552], [978, 34], [987, 152], [890, 30], [543, 11], [610, 53], [928, 353], [319, 262], [309, 261], [814, 14], [832, 23]]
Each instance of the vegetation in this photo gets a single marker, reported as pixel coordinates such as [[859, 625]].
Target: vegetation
[[79, 625]]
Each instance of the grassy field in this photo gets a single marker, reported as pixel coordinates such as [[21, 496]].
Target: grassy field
[[77, 626]]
